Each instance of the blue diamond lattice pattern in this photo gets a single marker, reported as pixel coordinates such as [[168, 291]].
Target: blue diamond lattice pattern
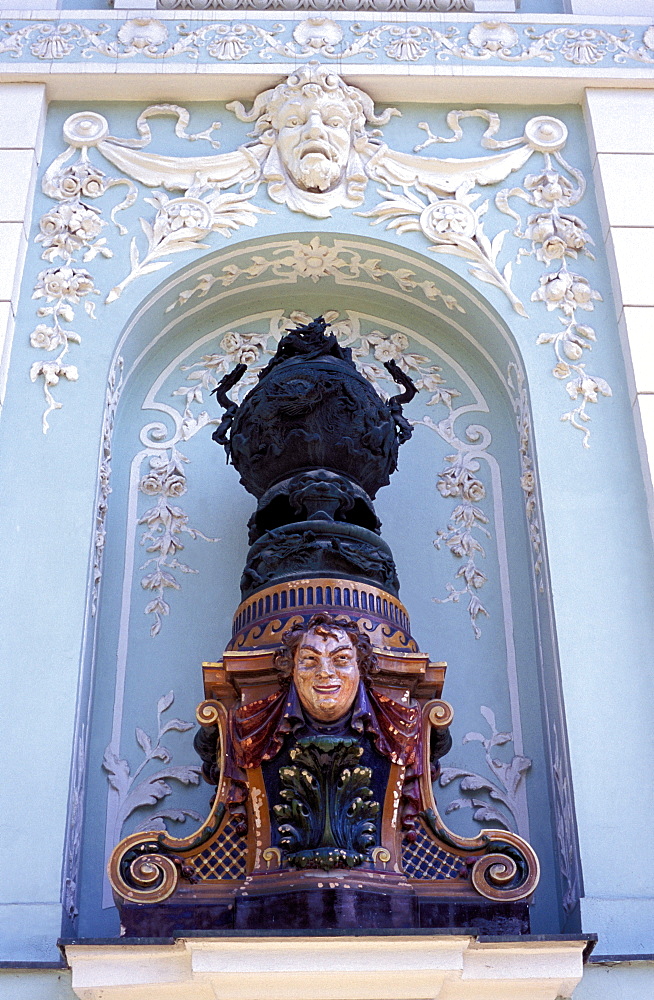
[[423, 859], [225, 858]]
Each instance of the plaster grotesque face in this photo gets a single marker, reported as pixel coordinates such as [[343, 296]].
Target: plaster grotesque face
[[314, 137], [326, 674]]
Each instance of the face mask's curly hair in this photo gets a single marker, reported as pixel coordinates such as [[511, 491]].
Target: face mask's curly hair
[[325, 624]]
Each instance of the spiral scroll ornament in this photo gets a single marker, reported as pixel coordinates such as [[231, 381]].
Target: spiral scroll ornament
[[140, 873], [441, 714], [504, 867], [209, 713], [509, 871], [146, 867]]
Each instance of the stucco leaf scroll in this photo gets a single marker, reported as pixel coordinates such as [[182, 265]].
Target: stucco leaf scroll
[[455, 227], [518, 394], [317, 259], [566, 834], [501, 789], [138, 790]]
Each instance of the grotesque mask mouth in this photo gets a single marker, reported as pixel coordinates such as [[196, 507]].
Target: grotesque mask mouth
[[314, 146]]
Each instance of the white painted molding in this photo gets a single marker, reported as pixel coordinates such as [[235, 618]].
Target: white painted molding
[[6, 340], [639, 327], [135, 4], [466, 75], [605, 8], [22, 116], [30, 5], [22, 121], [393, 967], [614, 118]]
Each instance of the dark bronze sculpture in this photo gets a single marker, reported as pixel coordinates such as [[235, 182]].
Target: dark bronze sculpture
[[322, 727]]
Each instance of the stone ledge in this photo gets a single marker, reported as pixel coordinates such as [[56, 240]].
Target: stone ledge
[[396, 966]]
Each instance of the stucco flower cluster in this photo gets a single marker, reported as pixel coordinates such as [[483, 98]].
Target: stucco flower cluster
[[81, 180], [457, 480], [165, 524], [549, 188], [449, 216], [235, 349], [566, 291], [62, 288], [65, 284], [242, 349], [186, 214], [69, 228], [388, 348], [52, 372], [165, 483], [556, 236], [314, 260]]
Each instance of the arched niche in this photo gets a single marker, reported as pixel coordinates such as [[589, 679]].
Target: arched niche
[[461, 515]]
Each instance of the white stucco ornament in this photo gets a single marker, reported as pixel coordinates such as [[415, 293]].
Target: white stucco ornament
[[142, 33], [317, 33], [85, 129], [546, 134], [493, 36], [315, 145], [312, 147], [448, 218]]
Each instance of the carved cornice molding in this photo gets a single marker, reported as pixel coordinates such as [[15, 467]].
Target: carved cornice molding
[[217, 38]]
